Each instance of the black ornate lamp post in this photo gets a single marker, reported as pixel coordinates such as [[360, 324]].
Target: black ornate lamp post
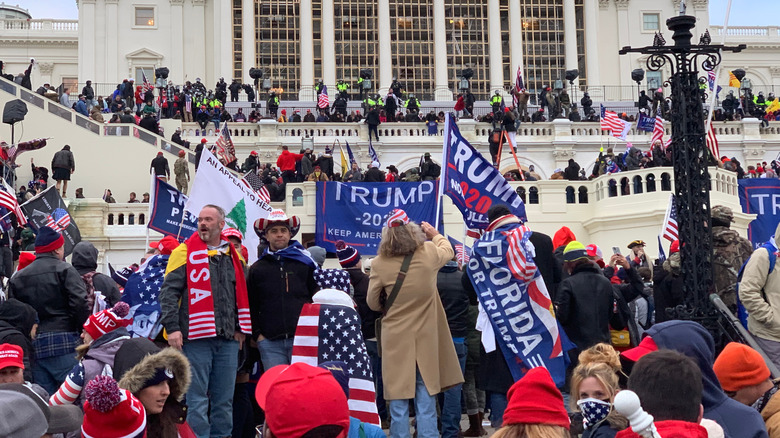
[[690, 157]]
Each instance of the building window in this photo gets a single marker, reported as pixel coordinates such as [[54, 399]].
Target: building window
[[144, 72], [144, 16], [654, 80], [650, 22]]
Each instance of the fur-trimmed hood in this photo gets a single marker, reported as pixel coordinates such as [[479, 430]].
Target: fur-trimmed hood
[[134, 365]]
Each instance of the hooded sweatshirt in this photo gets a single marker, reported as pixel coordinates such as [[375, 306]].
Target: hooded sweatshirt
[[694, 341], [84, 259]]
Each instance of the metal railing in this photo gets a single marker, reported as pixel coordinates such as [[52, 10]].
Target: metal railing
[[44, 24]]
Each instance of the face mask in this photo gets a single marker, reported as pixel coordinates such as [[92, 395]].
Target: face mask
[[593, 410]]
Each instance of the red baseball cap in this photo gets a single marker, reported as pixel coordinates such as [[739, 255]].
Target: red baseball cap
[[11, 356], [647, 346], [283, 391], [166, 245]]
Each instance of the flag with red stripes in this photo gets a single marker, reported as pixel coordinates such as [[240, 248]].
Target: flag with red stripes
[[462, 252], [670, 231], [712, 142], [519, 86], [226, 151], [658, 130], [252, 179], [146, 86], [323, 101], [70, 389], [611, 122], [328, 332], [8, 200]]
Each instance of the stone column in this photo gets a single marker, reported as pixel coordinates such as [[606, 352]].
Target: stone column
[[223, 40], [193, 59], [591, 10], [624, 40], [176, 61], [385, 49], [248, 37], [570, 34], [442, 89], [112, 17], [306, 91], [494, 43], [89, 60], [328, 47], [515, 40]]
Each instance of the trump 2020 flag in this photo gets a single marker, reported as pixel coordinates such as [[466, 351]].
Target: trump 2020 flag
[[48, 210], [472, 182], [513, 296], [217, 185], [330, 332]]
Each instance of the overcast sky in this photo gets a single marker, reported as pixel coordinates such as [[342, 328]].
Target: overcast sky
[[743, 12]]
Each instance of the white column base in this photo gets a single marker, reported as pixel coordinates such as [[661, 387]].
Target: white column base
[[442, 94]]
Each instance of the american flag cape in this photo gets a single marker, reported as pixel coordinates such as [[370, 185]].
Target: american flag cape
[[670, 230], [505, 255], [323, 102], [226, 151], [141, 294], [611, 122], [8, 201], [329, 332]]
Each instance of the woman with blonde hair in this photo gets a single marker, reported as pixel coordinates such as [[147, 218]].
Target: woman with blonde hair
[[594, 383], [418, 355], [534, 409]]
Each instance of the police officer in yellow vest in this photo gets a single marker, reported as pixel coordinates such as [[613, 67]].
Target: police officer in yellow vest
[[495, 102]]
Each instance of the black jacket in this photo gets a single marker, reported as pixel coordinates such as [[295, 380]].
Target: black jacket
[[55, 290], [359, 281], [454, 299], [372, 118], [373, 175], [16, 323], [84, 259], [668, 292], [175, 310], [277, 292], [545, 261], [584, 307], [160, 167], [150, 124]]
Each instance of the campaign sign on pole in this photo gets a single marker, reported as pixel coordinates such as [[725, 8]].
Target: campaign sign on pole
[[168, 216], [760, 196], [356, 212]]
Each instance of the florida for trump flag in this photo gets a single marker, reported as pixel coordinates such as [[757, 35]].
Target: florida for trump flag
[[513, 296], [330, 332]]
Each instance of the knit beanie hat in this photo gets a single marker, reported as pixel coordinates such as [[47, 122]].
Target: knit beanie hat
[[534, 399], [111, 412], [574, 251], [48, 240], [25, 258], [107, 320], [348, 256], [739, 366], [674, 247]]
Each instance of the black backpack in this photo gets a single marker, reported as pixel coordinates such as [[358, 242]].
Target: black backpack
[[435, 170]]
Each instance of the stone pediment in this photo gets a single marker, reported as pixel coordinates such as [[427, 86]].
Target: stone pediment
[[145, 54]]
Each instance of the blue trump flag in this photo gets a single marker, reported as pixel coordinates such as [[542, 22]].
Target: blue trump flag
[[356, 212], [645, 123], [760, 196], [168, 216], [472, 182], [515, 299]]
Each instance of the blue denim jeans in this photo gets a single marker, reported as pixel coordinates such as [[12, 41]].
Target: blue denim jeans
[[425, 409], [213, 362], [50, 372], [273, 353], [376, 367], [498, 404], [451, 408]]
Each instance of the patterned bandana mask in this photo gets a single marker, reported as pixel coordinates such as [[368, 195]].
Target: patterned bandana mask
[[594, 411]]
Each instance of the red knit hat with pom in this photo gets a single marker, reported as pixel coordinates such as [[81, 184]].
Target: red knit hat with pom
[[534, 399], [107, 320], [111, 412]]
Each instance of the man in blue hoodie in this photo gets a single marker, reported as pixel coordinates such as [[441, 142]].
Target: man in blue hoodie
[[694, 341]]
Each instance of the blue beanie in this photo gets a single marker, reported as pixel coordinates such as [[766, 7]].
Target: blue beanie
[[48, 240]]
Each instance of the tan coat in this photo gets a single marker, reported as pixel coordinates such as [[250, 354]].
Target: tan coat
[[763, 315], [771, 415], [415, 330]]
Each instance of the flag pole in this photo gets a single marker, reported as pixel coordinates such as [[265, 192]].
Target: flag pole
[[151, 203], [708, 122], [445, 146]]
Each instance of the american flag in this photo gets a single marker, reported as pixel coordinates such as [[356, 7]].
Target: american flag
[[658, 130], [8, 200], [611, 122], [188, 103], [58, 220], [70, 389], [462, 252], [521, 266], [670, 230], [253, 180], [141, 294], [519, 85], [226, 152], [147, 86], [323, 102], [329, 332], [349, 152], [711, 79], [372, 152], [712, 142]]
